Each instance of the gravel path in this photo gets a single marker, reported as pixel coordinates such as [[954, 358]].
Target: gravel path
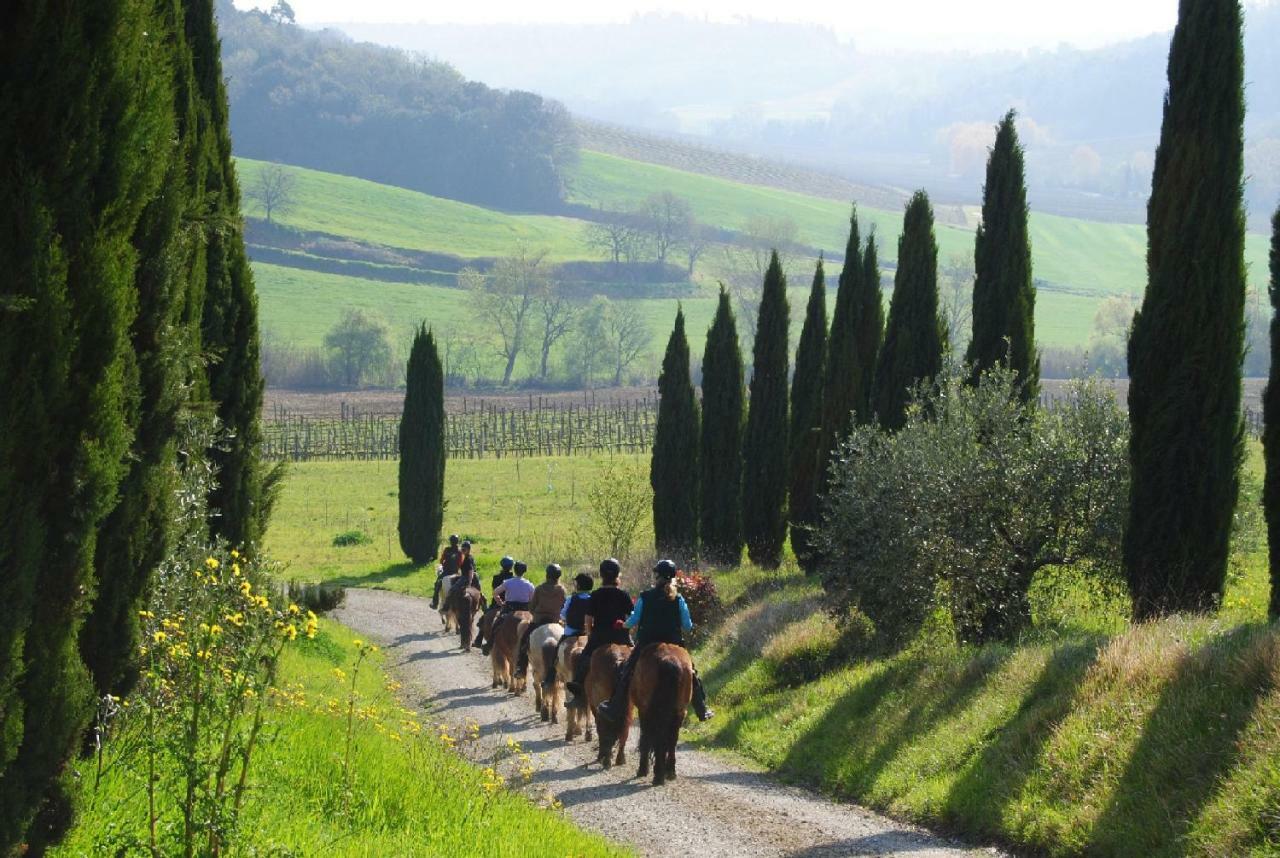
[[715, 808]]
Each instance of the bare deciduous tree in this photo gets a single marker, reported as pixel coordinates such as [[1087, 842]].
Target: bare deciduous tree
[[617, 237], [505, 298], [556, 312], [627, 335], [744, 263], [955, 298], [667, 221], [273, 190]]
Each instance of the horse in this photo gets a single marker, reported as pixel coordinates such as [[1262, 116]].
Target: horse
[[447, 615], [661, 688], [578, 719], [503, 654], [601, 678], [543, 644], [487, 618], [462, 604]]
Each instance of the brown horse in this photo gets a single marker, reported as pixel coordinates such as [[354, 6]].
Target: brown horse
[[461, 606], [661, 688], [503, 655], [601, 678], [447, 615], [543, 644], [577, 720]]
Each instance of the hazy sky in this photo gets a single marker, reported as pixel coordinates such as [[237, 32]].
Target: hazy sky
[[935, 23]]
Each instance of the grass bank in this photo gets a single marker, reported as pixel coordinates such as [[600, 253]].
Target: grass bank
[[411, 795]]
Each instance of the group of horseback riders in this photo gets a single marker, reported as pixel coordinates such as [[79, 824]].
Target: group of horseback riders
[[606, 615]]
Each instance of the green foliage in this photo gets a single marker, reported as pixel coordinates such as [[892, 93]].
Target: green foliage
[[86, 145], [722, 427], [348, 538], [915, 337], [674, 469], [847, 375], [422, 455], [806, 419], [1271, 425], [619, 507], [1004, 296], [980, 491], [765, 448], [706, 609], [1187, 343]]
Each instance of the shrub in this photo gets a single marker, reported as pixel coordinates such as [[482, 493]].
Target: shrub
[[980, 491], [320, 597], [352, 537], [705, 608]]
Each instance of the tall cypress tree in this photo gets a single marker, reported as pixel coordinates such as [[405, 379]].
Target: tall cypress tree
[[85, 92], [422, 451], [765, 448], [1004, 296], [136, 536], [915, 338], [844, 388], [1187, 342], [673, 471], [1271, 425], [806, 419], [241, 501], [722, 424]]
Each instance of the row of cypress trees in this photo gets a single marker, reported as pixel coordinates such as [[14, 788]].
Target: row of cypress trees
[[127, 302]]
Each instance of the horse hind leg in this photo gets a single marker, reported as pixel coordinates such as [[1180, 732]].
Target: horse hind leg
[[643, 752]]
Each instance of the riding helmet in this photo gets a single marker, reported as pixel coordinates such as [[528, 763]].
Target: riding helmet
[[584, 582], [521, 567], [466, 543], [453, 539], [507, 562], [610, 565], [554, 571], [665, 569]]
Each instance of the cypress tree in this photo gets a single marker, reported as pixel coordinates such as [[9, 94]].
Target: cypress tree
[[136, 536], [85, 91], [1187, 341], [843, 386], [241, 501], [422, 451], [765, 449], [806, 419], [1004, 296], [722, 424], [673, 471], [1271, 425], [915, 338]]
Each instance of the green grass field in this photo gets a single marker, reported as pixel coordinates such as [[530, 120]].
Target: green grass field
[[412, 795]]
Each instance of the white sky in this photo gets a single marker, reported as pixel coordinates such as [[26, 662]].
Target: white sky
[[974, 24]]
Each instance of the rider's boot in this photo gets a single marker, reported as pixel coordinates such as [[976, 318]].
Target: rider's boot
[[699, 701]]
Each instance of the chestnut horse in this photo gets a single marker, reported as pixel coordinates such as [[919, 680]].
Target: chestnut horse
[[601, 678], [543, 644], [576, 720], [661, 688], [503, 654], [461, 606]]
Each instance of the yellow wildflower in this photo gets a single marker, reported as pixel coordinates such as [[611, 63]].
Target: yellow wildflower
[[245, 587], [215, 629], [159, 637], [212, 562], [358, 643], [235, 569], [294, 609], [146, 615], [290, 632], [235, 555]]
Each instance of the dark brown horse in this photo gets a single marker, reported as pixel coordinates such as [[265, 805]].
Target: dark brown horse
[[577, 719], [462, 605], [506, 639], [601, 678], [661, 688]]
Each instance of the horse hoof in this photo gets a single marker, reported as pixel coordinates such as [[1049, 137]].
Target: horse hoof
[[545, 716], [622, 759]]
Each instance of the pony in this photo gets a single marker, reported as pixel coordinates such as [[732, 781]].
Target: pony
[[577, 720], [601, 678], [543, 644], [447, 615], [461, 606], [503, 654], [661, 688]]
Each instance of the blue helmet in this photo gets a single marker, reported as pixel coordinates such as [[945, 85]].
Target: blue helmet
[[507, 563]]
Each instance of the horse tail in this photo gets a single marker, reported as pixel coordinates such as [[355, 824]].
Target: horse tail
[[661, 711], [465, 613], [550, 651]]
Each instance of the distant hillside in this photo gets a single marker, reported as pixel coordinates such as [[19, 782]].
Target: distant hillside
[[323, 101]]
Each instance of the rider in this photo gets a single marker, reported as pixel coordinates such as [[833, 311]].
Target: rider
[[573, 616], [448, 567], [514, 595], [606, 612], [660, 616], [504, 572], [546, 604]]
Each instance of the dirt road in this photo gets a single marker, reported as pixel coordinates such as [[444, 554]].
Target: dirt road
[[716, 808]]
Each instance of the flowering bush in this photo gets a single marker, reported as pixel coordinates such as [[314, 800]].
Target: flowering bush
[[705, 607]]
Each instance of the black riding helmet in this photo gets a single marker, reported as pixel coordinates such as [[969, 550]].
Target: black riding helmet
[[554, 571], [453, 539], [665, 569], [521, 567], [610, 565], [506, 562], [466, 543]]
